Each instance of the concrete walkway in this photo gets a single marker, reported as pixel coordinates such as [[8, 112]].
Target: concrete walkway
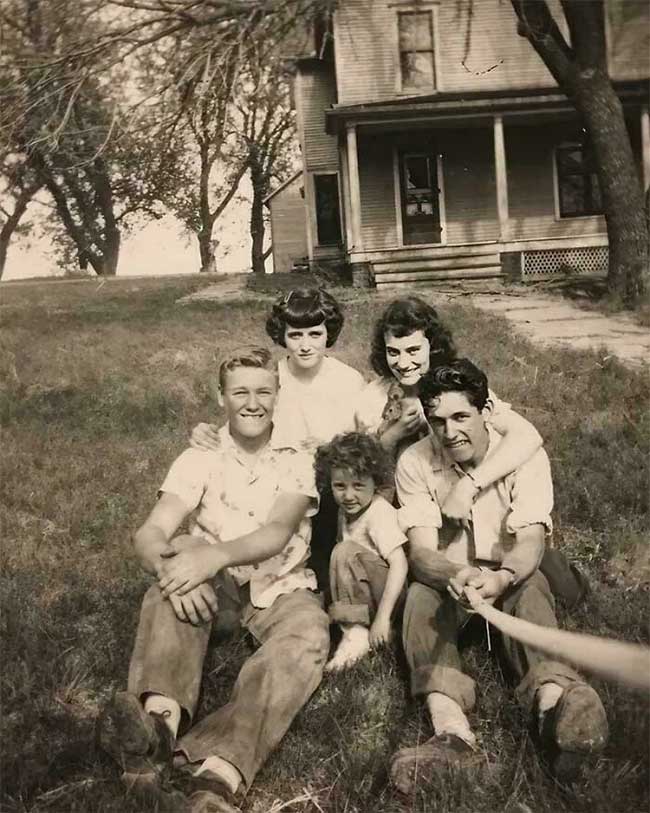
[[552, 320]]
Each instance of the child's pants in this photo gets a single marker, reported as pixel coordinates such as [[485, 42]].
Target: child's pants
[[357, 581]]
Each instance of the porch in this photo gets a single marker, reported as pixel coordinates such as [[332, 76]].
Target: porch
[[471, 191]]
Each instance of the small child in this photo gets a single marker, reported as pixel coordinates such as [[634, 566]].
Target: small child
[[368, 565]]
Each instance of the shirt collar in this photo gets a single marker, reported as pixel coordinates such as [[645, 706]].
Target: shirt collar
[[275, 443]]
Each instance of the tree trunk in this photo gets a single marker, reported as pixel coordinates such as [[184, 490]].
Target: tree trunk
[[580, 69], [257, 224], [207, 248], [620, 185]]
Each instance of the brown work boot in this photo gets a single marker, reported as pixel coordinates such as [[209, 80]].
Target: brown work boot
[[142, 745], [574, 728], [421, 764]]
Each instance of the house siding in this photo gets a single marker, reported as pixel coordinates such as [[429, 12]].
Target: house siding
[[497, 57], [288, 226], [315, 92], [468, 183]]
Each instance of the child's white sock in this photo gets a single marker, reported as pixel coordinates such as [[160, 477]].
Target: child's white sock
[[448, 717], [548, 695], [224, 770], [354, 645], [168, 708]]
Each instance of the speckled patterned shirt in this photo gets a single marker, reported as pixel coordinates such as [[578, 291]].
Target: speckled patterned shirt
[[232, 495]]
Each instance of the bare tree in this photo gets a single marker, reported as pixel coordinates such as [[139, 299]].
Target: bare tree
[[580, 69], [269, 136]]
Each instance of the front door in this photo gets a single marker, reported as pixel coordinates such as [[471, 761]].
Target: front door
[[420, 198]]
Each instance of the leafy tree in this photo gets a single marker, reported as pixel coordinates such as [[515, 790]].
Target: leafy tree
[[580, 68], [19, 185], [69, 127]]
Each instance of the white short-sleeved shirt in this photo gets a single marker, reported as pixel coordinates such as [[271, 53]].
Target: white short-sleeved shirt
[[424, 477], [311, 413], [233, 494], [377, 529]]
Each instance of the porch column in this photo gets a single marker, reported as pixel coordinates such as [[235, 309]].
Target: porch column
[[355, 190], [645, 146], [345, 186], [502, 179]]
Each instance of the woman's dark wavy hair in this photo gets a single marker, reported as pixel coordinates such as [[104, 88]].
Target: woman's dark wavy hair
[[305, 307], [360, 453], [403, 317], [459, 376]]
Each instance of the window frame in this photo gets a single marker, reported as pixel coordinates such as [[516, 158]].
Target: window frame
[[559, 215], [421, 8], [317, 241]]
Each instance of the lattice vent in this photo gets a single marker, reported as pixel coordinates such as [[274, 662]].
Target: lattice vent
[[556, 261]]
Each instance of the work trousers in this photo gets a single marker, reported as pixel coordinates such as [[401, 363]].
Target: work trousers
[[357, 581], [432, 621], [271, 688]]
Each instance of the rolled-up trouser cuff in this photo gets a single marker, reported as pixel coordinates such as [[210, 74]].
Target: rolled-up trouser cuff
[[342, 613], [447, 681], [541, 673]]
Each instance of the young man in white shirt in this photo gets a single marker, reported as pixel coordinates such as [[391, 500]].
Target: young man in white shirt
[[498, 551], [251, 500]]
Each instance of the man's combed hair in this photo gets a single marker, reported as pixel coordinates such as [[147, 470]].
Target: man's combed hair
[[357, 452], [305, 307], [459, 376], [403, 317], [248, 356]]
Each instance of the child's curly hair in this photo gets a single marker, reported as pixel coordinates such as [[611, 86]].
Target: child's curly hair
[[357, 452], [305, 307]]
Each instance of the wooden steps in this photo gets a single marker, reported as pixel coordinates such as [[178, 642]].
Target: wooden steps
[[395, 271]]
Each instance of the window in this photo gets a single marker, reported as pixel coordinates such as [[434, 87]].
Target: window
[[578, 193], [415, 35], [328, 217]]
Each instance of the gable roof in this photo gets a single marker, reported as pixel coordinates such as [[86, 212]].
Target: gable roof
[[282, 186]]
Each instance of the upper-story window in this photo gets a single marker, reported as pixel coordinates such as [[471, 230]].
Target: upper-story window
[[578, 192], [416, 46]]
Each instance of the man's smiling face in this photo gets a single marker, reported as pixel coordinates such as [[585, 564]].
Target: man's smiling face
[[459, 426], [249, 397]]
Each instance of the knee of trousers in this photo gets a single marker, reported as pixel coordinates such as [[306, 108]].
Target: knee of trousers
[[308, 636]]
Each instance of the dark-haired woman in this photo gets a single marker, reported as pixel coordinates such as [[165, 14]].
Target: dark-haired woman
[[408, 340]]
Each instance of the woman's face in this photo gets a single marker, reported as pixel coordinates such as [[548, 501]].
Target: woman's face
[[407, 356], [306, 345]]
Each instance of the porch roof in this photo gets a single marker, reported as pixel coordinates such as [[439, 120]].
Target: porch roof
[[476, 104]]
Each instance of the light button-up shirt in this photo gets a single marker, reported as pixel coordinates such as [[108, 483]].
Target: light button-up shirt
[[232, 495]]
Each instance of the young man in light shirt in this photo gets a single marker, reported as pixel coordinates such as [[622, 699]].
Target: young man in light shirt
[[251, 501], [498, 551]]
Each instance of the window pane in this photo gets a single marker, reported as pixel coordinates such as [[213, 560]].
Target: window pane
[[328, 221], [578, 188], [417, 172], [572, 195], [417, 70], [415, 32]]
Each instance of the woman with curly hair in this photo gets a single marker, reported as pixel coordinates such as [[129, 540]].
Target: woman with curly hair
[[368, 565], [408, 340]]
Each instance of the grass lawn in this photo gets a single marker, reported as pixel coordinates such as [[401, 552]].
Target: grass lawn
[[101, 384]]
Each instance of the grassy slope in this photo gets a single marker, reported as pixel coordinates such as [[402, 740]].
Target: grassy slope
[[100, 386]]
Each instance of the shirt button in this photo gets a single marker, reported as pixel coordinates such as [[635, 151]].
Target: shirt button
[[251, 513]]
